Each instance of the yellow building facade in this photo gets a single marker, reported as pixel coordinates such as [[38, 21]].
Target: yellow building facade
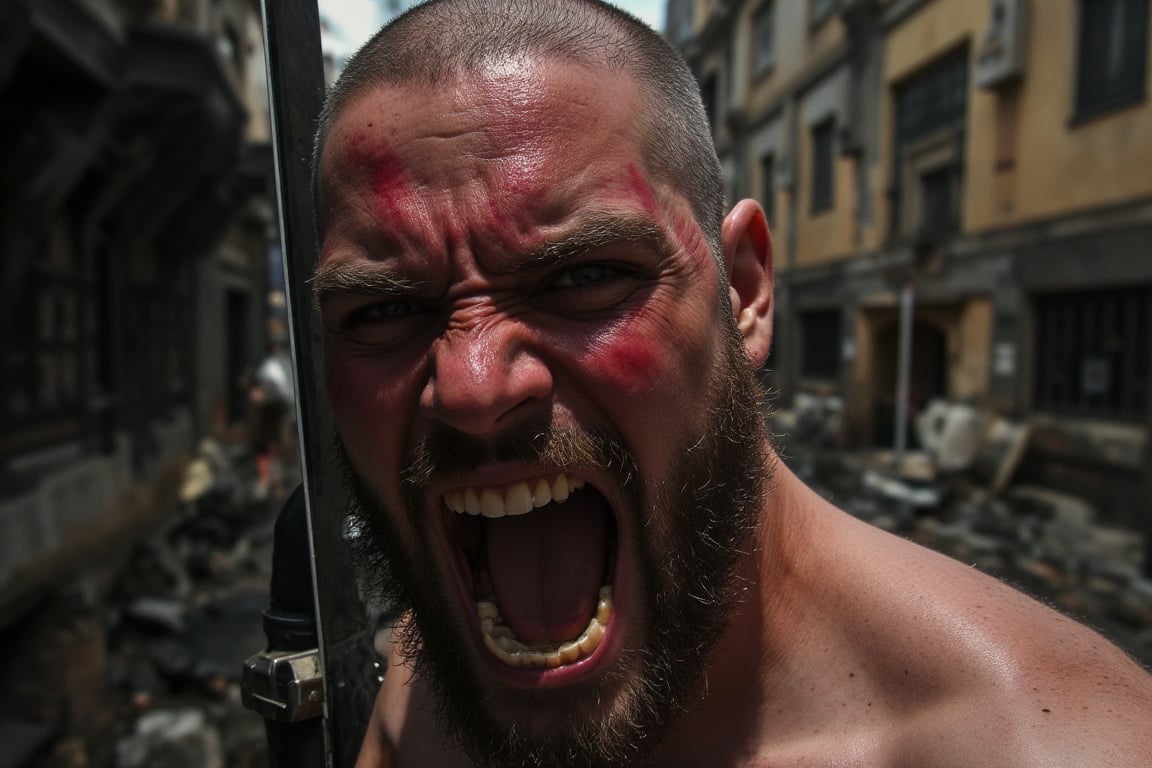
[[988, 159]]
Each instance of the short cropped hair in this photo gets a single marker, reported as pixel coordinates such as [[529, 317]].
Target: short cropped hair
[[431, 43]]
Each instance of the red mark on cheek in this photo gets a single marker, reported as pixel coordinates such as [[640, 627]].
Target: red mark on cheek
[[643, 191], [632, 364]]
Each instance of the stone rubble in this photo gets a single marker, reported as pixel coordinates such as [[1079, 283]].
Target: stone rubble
[[1047, 543], [171, 628]]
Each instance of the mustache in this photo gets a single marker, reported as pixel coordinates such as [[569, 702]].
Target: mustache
[[445, 454]]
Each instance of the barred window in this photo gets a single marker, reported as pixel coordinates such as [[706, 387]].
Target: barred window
[[931, 112], [50, 347], [1092, 352]]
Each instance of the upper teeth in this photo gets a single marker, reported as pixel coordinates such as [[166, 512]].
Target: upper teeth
[[516, 499]]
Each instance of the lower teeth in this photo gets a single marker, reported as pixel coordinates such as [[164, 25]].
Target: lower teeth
[[504, 645]]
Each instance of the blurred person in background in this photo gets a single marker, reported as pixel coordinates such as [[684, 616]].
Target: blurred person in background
[[272, 400]]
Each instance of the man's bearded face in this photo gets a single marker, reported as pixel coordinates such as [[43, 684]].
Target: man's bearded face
[[557, 442], [698, 517]]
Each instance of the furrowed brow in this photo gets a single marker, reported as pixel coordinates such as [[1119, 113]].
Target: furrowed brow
[[597, 231], [361, 278]]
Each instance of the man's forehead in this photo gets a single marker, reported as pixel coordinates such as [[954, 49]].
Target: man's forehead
[[515, 128], [515, 98]]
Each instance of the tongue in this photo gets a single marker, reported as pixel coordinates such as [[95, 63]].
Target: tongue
[[547, 567]]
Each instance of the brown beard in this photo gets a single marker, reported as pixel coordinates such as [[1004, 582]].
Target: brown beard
[[709, 507]]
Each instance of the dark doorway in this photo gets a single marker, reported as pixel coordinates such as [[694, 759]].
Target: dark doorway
[[928, 377]]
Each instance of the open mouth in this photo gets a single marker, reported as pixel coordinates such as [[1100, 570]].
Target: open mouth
[[540, 555]]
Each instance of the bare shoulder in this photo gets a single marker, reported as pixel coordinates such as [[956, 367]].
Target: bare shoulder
[[402, 731], [982, 674], [1090, 717]]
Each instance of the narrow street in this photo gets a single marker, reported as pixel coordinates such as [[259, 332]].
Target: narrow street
[[149, 677]]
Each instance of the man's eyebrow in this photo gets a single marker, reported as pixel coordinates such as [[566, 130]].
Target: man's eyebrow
[[597, 231], [359, 277]]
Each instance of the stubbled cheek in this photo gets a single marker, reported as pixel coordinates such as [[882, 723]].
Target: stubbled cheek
[[368, 402]]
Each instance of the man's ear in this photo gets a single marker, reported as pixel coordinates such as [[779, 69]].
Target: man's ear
[[747, 247]]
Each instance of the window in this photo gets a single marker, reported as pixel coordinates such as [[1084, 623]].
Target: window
[[1092, 352], [768, 187], [932, 100], [679, 25], [1113, 54], [51, 351], [764, 25], [938, 210], [823, 165], [820, 344], [931, 115], [822, 9]]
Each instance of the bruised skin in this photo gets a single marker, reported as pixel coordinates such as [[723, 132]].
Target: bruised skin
[[451, 199]]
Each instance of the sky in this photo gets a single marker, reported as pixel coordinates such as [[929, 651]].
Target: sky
[[353, 21]]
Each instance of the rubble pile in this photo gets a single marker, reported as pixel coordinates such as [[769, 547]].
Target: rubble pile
[[185, 613], [1047, 543], [170, 629]]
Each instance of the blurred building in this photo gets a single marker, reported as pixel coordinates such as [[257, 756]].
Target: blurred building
[[992, 156], [135, 232]]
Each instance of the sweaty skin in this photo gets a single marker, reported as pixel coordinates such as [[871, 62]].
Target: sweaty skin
[[443, 303]]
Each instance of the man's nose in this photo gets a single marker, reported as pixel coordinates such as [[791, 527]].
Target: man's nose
[[483, 380]]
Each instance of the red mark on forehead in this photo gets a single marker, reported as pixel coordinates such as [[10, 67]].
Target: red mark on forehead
[[643, 191], [386, 174], [505, 222]]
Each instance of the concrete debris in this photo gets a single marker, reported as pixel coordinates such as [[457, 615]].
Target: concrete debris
[[174, 621], [181, 738], [818, 419], [167, 615], [1000, 453], [900, 491], [1051, 544], [951, 434], [1070, 510], [22, 740]]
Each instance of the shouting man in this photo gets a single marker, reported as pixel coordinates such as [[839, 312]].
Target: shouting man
[[541, 328]]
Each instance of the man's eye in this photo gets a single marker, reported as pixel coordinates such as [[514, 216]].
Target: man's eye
[[382, 323], [388, 310], [582, 276]]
